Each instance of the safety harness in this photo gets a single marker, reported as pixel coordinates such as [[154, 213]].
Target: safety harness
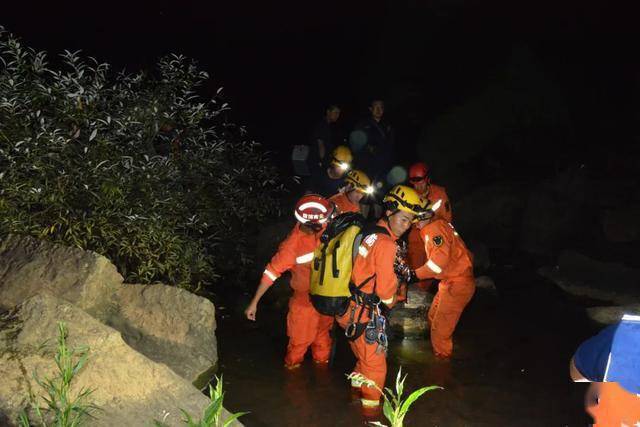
[[375, 328]]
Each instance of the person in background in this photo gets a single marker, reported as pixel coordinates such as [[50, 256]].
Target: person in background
[[306, 328], [610, 361], [373, 141], [325, 137], [329, 181], [420, 180], [357, 185]]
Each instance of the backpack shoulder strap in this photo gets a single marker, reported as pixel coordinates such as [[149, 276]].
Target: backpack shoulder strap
[[341, 223]]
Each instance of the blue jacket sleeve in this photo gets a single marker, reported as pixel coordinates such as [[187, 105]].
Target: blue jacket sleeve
[[592, 355]]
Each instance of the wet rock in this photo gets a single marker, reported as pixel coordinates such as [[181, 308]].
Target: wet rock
[[547, 220], [29, 265], [496, 224], [580, 275], [622, 225], [408, 319], [165, 323], [486, 283], [612, 314], [481, 255], [169, 325], [129, 388]]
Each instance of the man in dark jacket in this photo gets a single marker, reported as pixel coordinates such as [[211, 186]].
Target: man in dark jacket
[[372, 142], [325, 137]]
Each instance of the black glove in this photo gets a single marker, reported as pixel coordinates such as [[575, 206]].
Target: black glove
[[411, 276], [404, 272]]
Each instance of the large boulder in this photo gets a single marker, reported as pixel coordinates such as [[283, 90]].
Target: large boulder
[[165, 323], [169, 325], [492, 215], [621, 225], [580, 275], [612, 314], [129, 388], [409, 319], [29, 266]]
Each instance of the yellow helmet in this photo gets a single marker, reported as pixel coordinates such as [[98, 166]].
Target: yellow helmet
[[342, 157], [359, 180], [404, 198]]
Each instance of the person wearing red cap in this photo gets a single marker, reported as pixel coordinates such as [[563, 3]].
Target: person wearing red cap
[[306, 328], [420, 181]]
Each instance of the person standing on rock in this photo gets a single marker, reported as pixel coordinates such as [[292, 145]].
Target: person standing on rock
[[374, 282], [357, 185], [449, 261], [421, 182], [306, 328]]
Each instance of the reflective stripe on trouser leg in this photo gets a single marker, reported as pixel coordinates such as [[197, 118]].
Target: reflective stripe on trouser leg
[[453, 298], [370, 364]]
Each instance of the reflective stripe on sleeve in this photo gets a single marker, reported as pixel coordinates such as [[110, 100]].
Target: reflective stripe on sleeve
[[270, 275], [303, 259], [363, 251], [387, 301], [434, 267]]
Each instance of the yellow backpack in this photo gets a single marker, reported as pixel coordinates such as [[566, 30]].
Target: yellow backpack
[[333, 261]]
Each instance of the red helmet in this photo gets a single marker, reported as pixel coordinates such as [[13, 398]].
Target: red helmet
[[313, 209], [418, 172]]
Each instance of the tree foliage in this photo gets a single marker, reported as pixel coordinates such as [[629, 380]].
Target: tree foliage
[[137, 167]]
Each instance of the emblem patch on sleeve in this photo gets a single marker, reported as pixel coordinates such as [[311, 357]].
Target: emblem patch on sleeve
[[438, 240]]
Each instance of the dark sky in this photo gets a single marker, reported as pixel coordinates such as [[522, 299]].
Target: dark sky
[[281, 62]]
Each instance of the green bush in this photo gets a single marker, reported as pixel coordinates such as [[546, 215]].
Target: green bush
[[137, 167]]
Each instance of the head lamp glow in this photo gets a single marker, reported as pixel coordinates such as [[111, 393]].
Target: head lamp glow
[[344, 166], [369, 190]]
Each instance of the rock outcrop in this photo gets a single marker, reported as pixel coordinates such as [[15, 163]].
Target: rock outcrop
[[150, 344], [29, 266], [129, 388], [169, 325], [165, 323]]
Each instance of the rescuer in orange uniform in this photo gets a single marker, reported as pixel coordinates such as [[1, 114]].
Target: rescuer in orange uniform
[[449, 261], [357, 185], [374, 282], [420, 181], [305, 326]]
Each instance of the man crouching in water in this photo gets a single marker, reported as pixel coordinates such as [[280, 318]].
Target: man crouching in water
[[374, 281], [305, 326]]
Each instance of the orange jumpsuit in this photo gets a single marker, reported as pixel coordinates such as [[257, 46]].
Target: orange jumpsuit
[[375, 256], [436, 193], [344, 204], [448, 260], [416, 257], [615, 407], [305, 326]]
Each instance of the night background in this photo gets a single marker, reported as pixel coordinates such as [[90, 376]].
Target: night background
[[527, 112], [569, 66]]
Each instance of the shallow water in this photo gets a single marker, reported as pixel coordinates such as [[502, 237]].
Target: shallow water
[[510, 365]]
